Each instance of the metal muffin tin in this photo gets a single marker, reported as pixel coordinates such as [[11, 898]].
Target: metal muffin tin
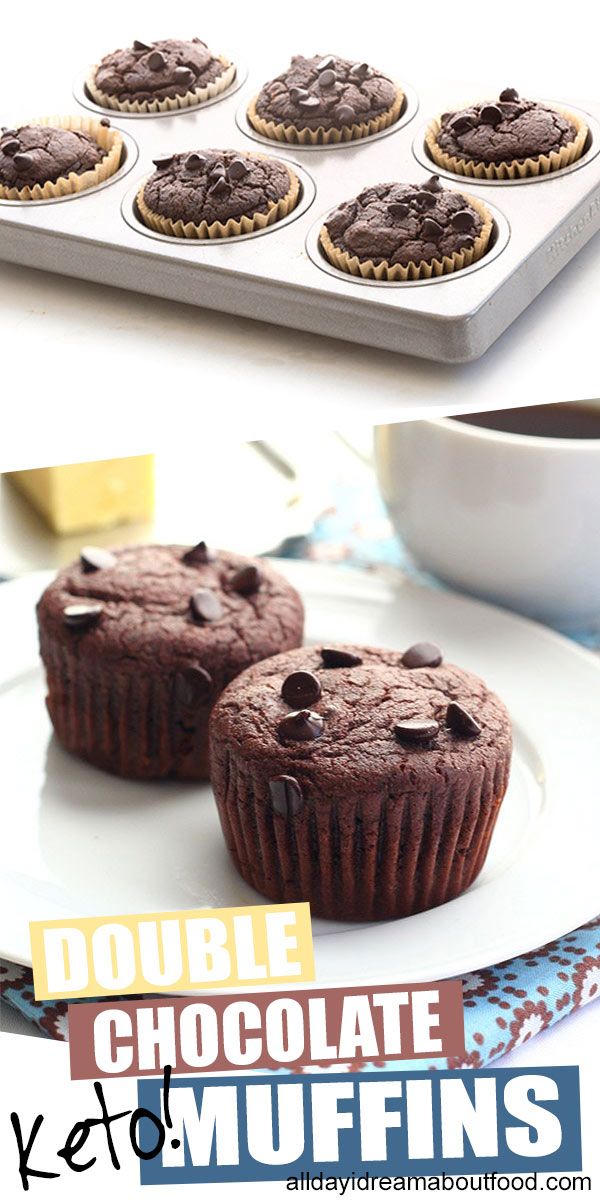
[[280, 274]]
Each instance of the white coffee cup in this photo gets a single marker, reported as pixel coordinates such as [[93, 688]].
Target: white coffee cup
[[512, 518]]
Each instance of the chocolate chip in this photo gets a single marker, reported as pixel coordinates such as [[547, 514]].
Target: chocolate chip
[[286, 795], [309, 103], [161, 163], [95, 558], [346, 114], [24, 162], [416, 732], [184, 76], [461, 722], [216, 170], [332, 657], [105, 121], [220, 188], [193, 688], [157, 61], [509, 94], [360, 71], [6, 132], [81, 616], [11, 146], [301, 726], [424, 199], [301, 689], [205, 605], [141, 46], [298, 93], [491, 114], [398, 209], [461, 124], [198, 555], [326, 79], [195, 162], [431, 229], [238, 168], [246, 581], [463, 219], [433, 184], [466, 242], [326, 63], [422, 654]]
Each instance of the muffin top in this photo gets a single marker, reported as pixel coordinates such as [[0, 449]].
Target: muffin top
[[157, 70], [44, 153], [504, 130], [325, 92], [159, 608], [348, 713], [400, 223], [215, 185]]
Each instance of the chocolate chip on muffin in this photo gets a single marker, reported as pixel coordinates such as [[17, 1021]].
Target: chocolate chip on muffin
[[153, 73]]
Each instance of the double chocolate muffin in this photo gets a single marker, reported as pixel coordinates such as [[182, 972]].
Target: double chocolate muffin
[[325, 99], [216, 193], [139, 642], [506, 138], [159, 76], [43, 160], [365, 781], [406, 231]]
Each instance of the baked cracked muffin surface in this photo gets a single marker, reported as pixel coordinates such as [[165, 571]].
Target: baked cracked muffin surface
[[215, 185], [505, 130], [325, 92], [39, 154], [139, 642], [160, 70]]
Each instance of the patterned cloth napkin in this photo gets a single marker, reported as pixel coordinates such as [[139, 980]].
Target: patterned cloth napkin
[[505, 1005]]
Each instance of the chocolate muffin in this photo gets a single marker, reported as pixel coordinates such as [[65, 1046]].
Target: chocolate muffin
[[406, 231], [139, 642], [43, 160], [159, 76], [216, 193], [506, 138], [325, 99], [365, 781]]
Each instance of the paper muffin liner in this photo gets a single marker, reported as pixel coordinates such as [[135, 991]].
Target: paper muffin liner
[[190, 99], [372, 857], [130, 724], [324, 137], [383, 272], [527, 168], [233, 228], [110, 140]]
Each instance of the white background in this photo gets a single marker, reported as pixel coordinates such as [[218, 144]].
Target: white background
[[94, 372]]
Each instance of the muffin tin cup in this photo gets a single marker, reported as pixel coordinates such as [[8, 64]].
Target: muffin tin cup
[[110, 140], [84, 97], [297, 201], [408, 109], [548, 167], [129, 157]]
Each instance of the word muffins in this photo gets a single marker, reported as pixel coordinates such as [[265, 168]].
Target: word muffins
[[151, 77], [365, 781], [57, 156], [318, 101], [507, 138], [216, 194], [406, 231], [138, 644]]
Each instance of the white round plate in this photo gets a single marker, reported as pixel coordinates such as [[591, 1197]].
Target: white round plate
[[78, 842]]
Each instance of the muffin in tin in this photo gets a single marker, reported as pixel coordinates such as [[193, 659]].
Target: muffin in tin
[[507, 138], [216, 194], [365, 781], [406, 231], [57, 156], [163, 76], [139, 642], [323, 100]]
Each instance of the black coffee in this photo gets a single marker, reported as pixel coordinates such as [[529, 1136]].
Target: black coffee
[[573, 420]]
